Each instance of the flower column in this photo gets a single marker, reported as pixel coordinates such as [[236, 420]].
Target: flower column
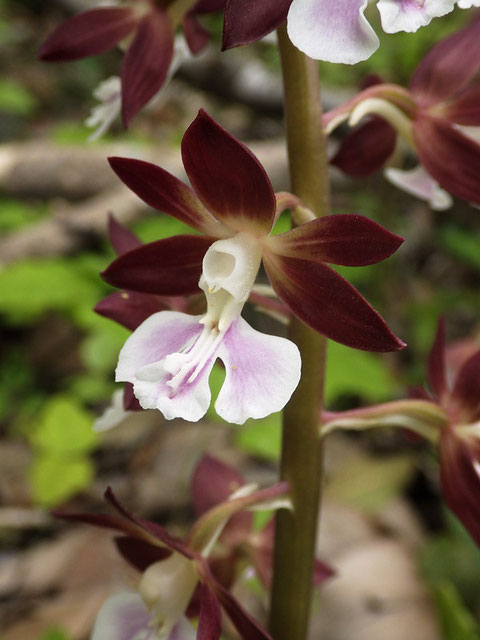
[[301, 462]]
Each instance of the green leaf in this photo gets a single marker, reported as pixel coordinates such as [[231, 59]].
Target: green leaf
[[55, 634], [15, 98], [456, 620], [462, 244], [160, 226], [65, 428], [261, 438], [101, 348], [55, 478], [350, 371], [31, 287], [17, 214]]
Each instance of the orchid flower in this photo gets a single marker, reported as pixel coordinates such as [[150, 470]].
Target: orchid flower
[[172, 570], [169, 357], [109, 93], [212, 483], [437, 117], [448, 414], [332, 31], [147, 30]]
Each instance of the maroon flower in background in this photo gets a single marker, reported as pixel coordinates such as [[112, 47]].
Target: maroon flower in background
[[459, 445], [432, 116], [212, 483], [233, 198], [447, 414], [175, 570], [149, 25]]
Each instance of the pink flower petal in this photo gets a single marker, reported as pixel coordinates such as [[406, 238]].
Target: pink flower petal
[[465, 109], [227, 177], [332, 31], [213, 482], [123, 617], [88, 33], [161, 334], [410, 15], [420, 184], [146, 62], [262, 372]]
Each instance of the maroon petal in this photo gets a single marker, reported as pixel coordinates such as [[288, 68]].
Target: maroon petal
[[151, 528], [227, 177], [325, 301], [140, 553], [459, 478], [449, 156], [351, 240], [88, 33], [162, 191], [466, 391], [129, 308], [213, 482], [449, 66], [247, 22], [207, 6], [168, 267], [210, 617], [366, 149], [465, 109], [195, 33], [322, 572], [146, 62], [437, 378], [122, 239], [130, 402], [247, 627]]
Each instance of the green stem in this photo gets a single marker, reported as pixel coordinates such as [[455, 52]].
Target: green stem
[[301, 463]]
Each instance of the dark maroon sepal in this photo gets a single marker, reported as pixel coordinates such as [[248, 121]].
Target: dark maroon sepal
[[195, 33], [207, 6], [325, 301], [88, 34], [449, 66], [213, 482], [140, 553], [437, 377], [151, 528], [146, 62], [460, 479], [168, 267], [366, 149], [246, 626], [162, 191], [465, 109], [466, 390], [227, 177], [210, 616], [345, 239], [247, 22], [122, 239], [129, 308], [322, 572], [450, 157], [130, 402]]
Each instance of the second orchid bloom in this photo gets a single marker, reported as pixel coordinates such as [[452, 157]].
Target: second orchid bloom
[[169, 357]]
